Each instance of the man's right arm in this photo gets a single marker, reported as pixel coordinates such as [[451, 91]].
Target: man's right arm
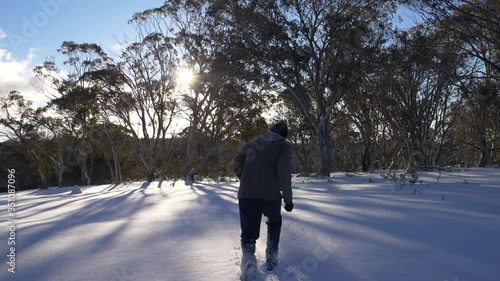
[[285, 173]]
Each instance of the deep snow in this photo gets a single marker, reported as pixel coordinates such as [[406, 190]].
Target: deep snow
[[353, 227]]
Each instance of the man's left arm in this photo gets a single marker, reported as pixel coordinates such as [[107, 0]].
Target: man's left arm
[[239, 161]]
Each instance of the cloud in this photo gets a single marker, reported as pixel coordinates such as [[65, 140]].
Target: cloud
[[3, 35], [117, 49], [16, 74]]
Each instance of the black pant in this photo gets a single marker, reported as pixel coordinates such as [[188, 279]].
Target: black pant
[[251, 211]]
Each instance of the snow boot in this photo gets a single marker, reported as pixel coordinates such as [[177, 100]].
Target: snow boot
[[271, 260], [249, 269]]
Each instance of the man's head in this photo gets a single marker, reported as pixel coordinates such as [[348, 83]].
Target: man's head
[[281, 129]]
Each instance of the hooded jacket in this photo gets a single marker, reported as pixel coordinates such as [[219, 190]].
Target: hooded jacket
[[264, 168]]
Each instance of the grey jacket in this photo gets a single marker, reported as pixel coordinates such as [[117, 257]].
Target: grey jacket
[[264, 168]]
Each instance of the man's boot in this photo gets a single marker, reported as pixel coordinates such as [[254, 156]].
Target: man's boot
[[248, 261], [271, 254]]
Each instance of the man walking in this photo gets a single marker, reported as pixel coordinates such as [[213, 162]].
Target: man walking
[[264, 168]]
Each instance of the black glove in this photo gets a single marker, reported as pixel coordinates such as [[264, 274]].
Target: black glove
[[289, 207]]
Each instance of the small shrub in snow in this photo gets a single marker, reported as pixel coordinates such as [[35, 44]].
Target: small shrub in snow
[[414, 179], [439, 176], [402, 177], [76, 190], [390, 177]]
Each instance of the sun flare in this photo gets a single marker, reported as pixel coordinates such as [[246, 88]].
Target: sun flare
[[185, 76]]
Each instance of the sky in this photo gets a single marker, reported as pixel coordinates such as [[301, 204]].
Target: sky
[[32, 30]]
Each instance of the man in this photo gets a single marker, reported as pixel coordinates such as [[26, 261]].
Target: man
[[264, 169]]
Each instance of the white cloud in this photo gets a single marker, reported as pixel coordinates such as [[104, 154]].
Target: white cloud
[[117, 49], [3, 35], [16, 74]]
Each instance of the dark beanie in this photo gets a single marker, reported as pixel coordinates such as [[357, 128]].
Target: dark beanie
[[281, 129]]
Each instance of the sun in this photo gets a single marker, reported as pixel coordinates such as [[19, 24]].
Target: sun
[[185, 76]]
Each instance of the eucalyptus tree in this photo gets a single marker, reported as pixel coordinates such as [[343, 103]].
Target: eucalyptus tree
[[480, 114], [422, 94], [41, 137], [313, 51], [360, 107], [77, 98], [114, 144], [362, 112], [475, 27], [474, 23], [112, 138], [146, 99], [220, 94], [19, 124], [304, 144]]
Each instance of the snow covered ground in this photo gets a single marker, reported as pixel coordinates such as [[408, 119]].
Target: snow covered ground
[[354, 227]]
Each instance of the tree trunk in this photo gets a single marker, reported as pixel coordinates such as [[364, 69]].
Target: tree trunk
[[189, 170], [111, 171], [58, 167], [42, 177], [150, 168], [120, 176], [189, 180], [83, 172], [411, 166], [37, 156], [116, 165], [367, 160], [85, 179], [325, 149], [90, 171], [150, 175], [60, 173], [483, 142]]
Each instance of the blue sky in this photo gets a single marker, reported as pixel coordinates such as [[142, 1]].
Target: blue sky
[[32, 30], [44, 24]]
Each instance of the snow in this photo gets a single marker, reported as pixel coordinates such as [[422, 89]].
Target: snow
[[349, 228], [76, 190]]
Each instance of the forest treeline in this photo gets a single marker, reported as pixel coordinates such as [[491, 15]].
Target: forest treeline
[[357, 92]]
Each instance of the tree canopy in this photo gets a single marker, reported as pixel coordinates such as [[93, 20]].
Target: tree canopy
[[357, 92]]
